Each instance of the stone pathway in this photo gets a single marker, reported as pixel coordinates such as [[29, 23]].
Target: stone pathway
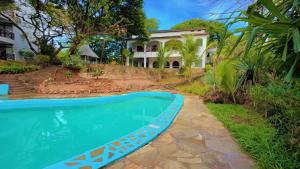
[[196, 140]]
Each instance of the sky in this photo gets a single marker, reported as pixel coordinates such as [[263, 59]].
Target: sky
[[172, 12]]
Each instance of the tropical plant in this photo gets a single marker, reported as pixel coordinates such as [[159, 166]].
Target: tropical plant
[[226, 77], [273, 28], [162, 56], [189, 52], [127, 54]]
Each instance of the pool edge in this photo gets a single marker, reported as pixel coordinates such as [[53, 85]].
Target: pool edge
[[115, 150]]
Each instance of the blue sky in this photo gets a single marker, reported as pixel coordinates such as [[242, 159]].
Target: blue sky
[[172, 12]]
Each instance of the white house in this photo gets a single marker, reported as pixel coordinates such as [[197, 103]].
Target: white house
[[145, 53], [12, 39]]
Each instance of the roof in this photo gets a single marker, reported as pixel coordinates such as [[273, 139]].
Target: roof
[[178, 30], [85, 50]]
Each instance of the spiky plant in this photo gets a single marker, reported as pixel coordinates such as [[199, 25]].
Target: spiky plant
[[273, 28], [189, 51], [226, 77], [162, 56]]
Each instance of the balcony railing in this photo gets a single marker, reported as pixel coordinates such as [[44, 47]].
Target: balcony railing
[[153, 54], [7, 34]]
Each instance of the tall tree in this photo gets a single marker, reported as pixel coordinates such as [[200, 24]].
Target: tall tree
[[47, 20], [214, 28], [90, 18], [152, 24], [189, 52]]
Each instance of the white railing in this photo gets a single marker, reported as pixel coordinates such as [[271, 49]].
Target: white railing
[[145, 54], [152, 54]]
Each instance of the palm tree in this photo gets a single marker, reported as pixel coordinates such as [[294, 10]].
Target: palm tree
[[127, 54], [162, 56], [189, 52], [273, 28]]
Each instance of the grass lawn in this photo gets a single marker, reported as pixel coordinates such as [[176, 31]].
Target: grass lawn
[[255, 135], [194, 88]]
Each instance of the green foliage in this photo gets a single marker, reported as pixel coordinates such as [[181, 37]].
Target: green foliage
[[273, 28], [162, 57], [115, 18], [152, 24], [43, 59], [256, 136], [226, 77], [7, 5], [189, 52], [96, 72], [127, 54], [68, 74], [70, 61], [195, 87], [14, 67], [214, 28], [280, 103], [27, 54]]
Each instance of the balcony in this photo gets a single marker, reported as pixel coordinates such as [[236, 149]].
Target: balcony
[[7, 34], [145, 54], [153, 54]]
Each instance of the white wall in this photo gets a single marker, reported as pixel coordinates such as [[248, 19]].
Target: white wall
[[167, 36]]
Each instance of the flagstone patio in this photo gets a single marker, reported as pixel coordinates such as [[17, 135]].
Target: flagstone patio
[[196, 140]]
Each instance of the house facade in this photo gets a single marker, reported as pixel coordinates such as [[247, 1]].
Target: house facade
[[12, 39], [145, 54]]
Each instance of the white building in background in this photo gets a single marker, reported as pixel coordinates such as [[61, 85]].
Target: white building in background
[[12, 39], [145, 54]]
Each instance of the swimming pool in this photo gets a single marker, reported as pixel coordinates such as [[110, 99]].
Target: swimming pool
[[83, 132]]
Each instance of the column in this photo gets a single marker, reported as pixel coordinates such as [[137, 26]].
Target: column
[[145, 55], [204, 52], [127, 61]]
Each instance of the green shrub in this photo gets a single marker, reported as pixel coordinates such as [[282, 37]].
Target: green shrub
[[68, 74], [14, 67], [96, 72], [280, 103], [208, 67], [43, 59], [27, 54], [73, 62], [256, 136], [195, 88]]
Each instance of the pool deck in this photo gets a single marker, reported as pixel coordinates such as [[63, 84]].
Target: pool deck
[[196, 140]]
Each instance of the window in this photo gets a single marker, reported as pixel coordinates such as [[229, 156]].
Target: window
[[140, 48], [154, 48], [175, 64]]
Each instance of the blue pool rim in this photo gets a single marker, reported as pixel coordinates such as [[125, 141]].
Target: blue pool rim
[[118, 148]]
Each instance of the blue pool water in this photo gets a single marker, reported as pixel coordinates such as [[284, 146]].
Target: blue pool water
[[38, 133]]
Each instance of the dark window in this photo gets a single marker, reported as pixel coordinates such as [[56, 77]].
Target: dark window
[[140, 48], [155, 64], [154, 48], [175, 64]]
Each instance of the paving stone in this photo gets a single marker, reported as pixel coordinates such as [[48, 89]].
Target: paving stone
[[199, 166], [196, 140], [167, 150], [147, 156], [182, 154], [172, 164], [196, 160]]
